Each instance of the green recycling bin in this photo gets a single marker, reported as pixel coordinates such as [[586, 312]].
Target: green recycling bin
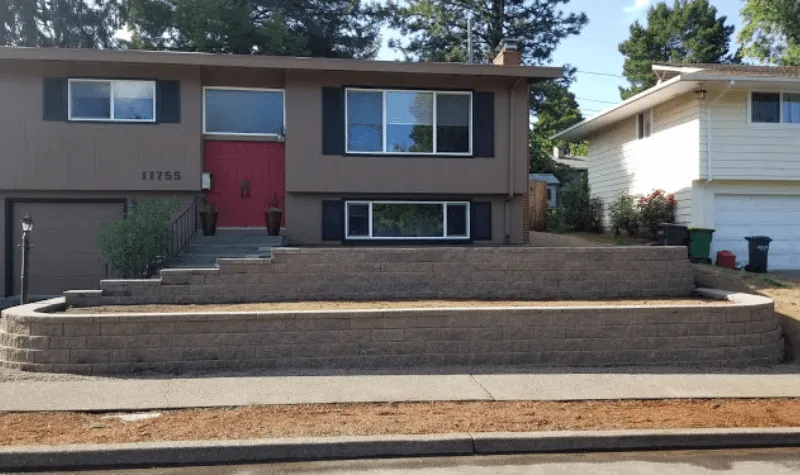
[[700, 244]]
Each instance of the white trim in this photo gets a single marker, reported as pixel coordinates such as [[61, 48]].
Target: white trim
[[384, 124], [244, 134], [369, 203], [111, 83], [781, 123]]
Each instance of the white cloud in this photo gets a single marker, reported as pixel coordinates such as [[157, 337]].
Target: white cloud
[[638, 5]]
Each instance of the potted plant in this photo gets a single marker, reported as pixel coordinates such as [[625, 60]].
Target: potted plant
[[274, 216], [208, 218]]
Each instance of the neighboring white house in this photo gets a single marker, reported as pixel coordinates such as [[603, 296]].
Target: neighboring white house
[[724, 138]]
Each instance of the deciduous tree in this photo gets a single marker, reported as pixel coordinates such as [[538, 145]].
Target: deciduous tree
[[771, 31]]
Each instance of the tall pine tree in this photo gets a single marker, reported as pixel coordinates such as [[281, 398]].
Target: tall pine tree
[[691, 31], [771, 31], [62, 23]]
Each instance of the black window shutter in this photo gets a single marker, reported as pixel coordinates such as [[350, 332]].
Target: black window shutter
[[481, 220], [333, 220], [168, 100], [55, 98], [483, 124], [332, 121]]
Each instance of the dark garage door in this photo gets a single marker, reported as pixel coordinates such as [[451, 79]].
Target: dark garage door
[[65, 252]]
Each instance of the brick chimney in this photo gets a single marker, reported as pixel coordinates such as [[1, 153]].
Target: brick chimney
[[508, 54]]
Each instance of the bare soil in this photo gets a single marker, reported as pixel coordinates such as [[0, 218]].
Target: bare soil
[[384, 304], [395, 418]]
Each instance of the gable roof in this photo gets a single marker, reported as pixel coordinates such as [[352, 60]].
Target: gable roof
[[532, 73], [548, 177], [675, 80]]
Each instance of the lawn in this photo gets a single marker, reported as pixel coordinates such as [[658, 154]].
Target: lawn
[[610, 239]]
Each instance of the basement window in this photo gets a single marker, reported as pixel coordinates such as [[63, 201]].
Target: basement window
[[112, 100], [429, 220]]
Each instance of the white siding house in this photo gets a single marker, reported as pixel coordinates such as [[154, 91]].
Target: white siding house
[[714, 145]]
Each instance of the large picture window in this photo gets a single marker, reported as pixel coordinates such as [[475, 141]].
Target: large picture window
[[112, 100], [230, 111], [408, 122], [407, 220], [774, 108]]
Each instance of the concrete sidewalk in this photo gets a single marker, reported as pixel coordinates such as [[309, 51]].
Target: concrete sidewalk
[[140, 394]]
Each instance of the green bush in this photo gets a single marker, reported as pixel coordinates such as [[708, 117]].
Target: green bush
[[624, 216], [581, 212], [555, 221], [136, 246], [656, 208]]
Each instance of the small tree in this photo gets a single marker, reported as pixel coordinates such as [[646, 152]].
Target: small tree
[[624, 216], [581, 212], [136, 246]]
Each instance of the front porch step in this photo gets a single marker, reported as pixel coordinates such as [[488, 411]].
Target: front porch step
[[203, 251]]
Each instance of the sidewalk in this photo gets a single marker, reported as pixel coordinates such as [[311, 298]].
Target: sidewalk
[[142, 394]]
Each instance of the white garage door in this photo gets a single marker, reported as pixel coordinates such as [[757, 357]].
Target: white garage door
[[776, 216]]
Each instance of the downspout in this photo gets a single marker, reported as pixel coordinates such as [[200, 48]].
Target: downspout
[[510, 161], [711, 104]]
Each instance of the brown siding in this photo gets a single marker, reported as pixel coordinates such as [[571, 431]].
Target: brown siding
[[45, 155], [307, 170]]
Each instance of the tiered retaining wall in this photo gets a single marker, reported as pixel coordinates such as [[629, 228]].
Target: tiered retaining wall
[[365, 273], [744, 331]]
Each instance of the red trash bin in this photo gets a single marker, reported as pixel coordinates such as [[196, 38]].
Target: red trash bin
[[726, 259]]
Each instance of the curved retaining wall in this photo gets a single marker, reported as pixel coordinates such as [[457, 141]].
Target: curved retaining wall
[[364, 273], [743, 331]]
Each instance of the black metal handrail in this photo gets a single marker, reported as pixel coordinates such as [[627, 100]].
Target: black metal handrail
[[175, 236]]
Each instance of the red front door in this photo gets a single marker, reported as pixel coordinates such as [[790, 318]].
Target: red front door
[[245, 175]]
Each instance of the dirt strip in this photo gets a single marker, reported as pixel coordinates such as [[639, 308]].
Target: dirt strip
[[386, 304], [395, 418]]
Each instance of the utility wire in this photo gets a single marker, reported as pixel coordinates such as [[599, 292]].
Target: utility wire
[[595, 73], [595, 100]]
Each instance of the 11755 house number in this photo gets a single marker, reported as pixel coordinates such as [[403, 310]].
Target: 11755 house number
[[159, 175]]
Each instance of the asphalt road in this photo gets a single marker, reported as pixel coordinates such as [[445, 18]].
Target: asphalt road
[[730, 462]]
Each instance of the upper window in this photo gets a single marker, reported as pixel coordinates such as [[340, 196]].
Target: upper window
[[774, 108], [644, 124], [243, 111], [112, 100], [409, 122]]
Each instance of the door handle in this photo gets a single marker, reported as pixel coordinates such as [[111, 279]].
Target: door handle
[[247, 188], [241, 189]]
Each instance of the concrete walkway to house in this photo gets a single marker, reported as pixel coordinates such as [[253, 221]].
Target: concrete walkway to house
[[140, 394]]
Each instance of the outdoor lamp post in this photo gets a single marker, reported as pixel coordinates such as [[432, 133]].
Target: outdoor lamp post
[[27, 227]]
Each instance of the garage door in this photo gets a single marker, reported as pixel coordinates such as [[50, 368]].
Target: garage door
[[778, 217], [65, 252]]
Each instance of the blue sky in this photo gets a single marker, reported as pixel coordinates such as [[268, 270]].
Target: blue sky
[[595, 50]]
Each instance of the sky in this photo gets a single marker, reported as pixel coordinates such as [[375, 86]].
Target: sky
[[595, 50]]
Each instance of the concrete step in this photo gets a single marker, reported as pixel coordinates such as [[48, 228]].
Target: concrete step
[[220, 249]]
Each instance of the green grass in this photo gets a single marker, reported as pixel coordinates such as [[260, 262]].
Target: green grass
[[769, 280], [609, 239]]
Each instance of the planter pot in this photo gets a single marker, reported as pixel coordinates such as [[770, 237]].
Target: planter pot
[[208, 220], [274, 217]]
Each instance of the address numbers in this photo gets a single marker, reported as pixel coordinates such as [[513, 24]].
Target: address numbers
[[161, 175]]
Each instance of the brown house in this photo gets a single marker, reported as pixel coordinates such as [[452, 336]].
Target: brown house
[[351, 149]]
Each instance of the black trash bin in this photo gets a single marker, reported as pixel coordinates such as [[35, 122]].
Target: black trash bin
[[670, 234], [759, 249]]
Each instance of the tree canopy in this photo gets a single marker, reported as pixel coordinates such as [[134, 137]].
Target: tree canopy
[[690, 31], [329, 28], [62, 23], [436, 30], [771, 31]]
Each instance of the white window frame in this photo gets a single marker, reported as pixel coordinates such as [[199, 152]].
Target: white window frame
[[780, 109], [112, 82], [641, 115], [385, 123], [243, 134], [369, 204]]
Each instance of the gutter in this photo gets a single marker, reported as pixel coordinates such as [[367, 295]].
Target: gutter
[[709, 120], [511, 162]]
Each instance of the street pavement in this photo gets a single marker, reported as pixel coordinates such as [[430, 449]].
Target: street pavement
[[144, 394], [729, 462]]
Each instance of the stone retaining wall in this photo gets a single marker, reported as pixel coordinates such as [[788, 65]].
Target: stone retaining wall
[[365, 273], [742, 332]]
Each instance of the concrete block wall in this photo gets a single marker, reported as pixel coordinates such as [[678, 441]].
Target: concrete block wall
[[366, 273], [745, 332]]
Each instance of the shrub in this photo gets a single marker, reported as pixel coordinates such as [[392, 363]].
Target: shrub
[[624, 216], [656, 208], [555, 221], [136, 246], [581, 212]]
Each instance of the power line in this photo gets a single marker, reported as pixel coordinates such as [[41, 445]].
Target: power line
[[595, 73], [595, 100]]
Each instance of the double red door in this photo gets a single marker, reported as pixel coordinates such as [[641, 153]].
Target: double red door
[[245, 176]]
